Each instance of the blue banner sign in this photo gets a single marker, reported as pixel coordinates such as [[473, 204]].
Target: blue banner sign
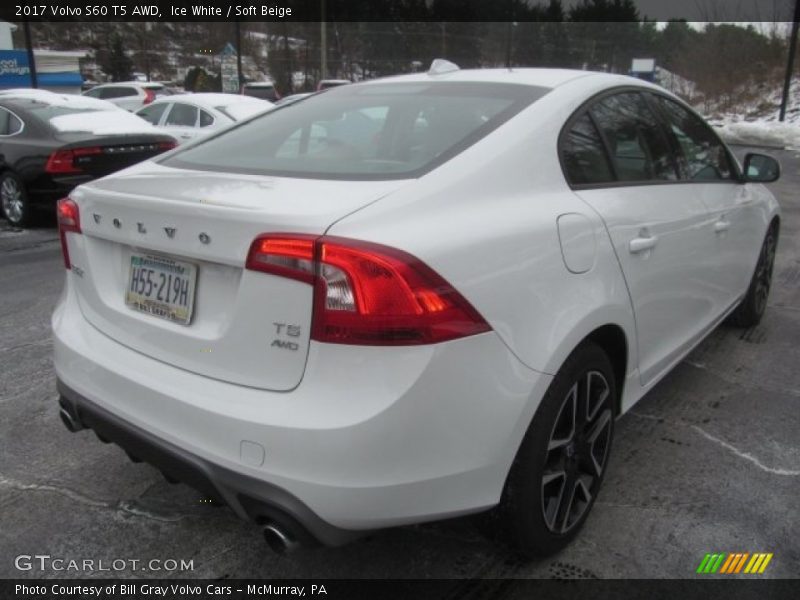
[[14, 69]]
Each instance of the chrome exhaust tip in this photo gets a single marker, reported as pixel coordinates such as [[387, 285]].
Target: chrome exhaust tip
[[279, 541], [69, 421]]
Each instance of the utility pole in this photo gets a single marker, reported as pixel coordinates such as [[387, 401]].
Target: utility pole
[[323, 42], [790, 64], [510, 34], [239, 54], [31, 59]]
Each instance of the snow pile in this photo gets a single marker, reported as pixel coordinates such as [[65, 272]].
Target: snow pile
[[53, 99], [755, 121], [761, 133], [104, 122]]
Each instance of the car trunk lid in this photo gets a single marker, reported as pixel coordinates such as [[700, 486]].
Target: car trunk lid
[[243, 327]]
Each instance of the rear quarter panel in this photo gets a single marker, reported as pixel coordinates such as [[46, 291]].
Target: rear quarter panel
[[486, 221]]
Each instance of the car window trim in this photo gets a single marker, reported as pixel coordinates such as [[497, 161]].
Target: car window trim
[[176, 102], [659, 127], [164, 112], [585, 107], [20, 130], [200, 111], [736, 175]]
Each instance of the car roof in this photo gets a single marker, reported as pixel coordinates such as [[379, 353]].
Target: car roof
[[26, 100], [210, 99], [146, 84], [548, 78]]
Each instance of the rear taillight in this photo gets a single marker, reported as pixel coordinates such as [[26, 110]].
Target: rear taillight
[[69, 219], [366, 293], [164, 146], [62, 162], [149, 96]]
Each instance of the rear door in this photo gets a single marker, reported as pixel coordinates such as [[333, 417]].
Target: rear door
[[181, 121], [124, 96], [734, 223], [619, 161], [153, 113]]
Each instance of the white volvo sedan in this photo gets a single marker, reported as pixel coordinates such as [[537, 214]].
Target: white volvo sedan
[[408, 299], [191, 116]]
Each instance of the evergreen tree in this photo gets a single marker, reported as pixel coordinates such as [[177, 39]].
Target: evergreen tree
[[114, 61]]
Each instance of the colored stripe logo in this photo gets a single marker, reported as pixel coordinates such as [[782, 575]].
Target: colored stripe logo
[[731, 563]]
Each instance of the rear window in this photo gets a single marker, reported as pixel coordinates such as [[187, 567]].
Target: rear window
[[377, 131], [264, 92]]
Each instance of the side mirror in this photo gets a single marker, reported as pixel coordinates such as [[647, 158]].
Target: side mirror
[[760, 168]]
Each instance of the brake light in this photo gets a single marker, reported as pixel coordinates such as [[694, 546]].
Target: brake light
[[164, 146], [368, 294], [149, 96], [62, 162], [69, 219]]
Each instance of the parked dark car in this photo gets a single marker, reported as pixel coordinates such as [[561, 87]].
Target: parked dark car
[[261, 89], [49, 145]]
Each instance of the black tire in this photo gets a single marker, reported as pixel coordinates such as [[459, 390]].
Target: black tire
[[530, 520], [14, 200], [751, 310]]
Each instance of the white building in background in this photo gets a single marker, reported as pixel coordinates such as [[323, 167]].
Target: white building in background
[[56, 70], [6, 39]]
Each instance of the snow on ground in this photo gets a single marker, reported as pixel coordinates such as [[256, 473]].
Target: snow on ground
[[756, 121], [761, 133]]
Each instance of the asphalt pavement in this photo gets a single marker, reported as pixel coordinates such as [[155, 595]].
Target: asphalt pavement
[[709, 461]]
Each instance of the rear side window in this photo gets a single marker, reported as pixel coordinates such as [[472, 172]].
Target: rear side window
[[152, 114], [117, 92], [14, 125], [703, 157], [639, 149], [375, 131], [265, 92], [9, 124], [584, 155], [205, 119], [182, 115]]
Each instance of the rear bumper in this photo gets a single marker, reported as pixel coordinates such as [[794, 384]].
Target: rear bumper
[[250, 498], [370, 438]]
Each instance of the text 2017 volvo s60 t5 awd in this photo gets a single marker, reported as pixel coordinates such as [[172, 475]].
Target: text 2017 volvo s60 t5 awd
[[408, 299]]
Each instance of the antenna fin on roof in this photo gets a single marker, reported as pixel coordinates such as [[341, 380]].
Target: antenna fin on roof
[[440, 66]]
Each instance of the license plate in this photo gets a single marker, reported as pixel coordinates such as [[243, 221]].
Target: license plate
[[162, 287]]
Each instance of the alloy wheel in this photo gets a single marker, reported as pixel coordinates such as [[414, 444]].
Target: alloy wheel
[[11, 197], [766, 262], [576, 452]]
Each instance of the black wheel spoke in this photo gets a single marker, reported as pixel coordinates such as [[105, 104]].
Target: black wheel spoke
[[564, 430], [577, 452], [598, 441], [565, 506]]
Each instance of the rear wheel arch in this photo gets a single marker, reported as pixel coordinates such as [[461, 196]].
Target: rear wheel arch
[[612, 340], [775, 225]]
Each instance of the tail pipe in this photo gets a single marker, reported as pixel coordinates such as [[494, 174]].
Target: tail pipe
[[69, 417], [279, 540]]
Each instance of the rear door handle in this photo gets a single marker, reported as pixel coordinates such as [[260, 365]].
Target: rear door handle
[[640, 244], [722, 226]]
